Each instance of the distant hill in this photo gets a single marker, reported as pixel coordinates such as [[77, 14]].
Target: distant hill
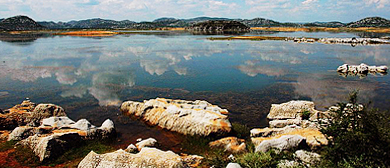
[[219, 25], [325, 24], [96, 23], [20, 23], [261, 22], [25, 23], [370, 22]]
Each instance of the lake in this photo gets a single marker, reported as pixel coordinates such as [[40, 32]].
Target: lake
[[90, 77]]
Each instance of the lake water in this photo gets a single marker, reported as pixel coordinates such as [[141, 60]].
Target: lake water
[[90, 77]]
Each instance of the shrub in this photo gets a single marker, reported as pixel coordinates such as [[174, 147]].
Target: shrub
[[306, 115], [360, 137]]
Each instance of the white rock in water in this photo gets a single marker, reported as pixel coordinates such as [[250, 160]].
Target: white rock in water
[[150, 142], [290, 110], [343, 68], [186, 117], [285, 142], [147, 157]]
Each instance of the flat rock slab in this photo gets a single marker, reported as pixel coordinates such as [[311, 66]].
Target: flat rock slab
[[147, 157], [186, 117], [291, 109]]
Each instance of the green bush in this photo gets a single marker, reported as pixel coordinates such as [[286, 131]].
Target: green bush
[[241, 131], [360, 137], [306, 115]]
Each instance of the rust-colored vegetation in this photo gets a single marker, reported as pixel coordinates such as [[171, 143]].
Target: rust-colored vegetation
[[88, 33]]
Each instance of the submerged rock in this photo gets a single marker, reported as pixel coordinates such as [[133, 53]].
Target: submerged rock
[[186, 117], [147, 157], [230, 144]]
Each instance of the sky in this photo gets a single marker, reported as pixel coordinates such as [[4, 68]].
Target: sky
[[148, 10]]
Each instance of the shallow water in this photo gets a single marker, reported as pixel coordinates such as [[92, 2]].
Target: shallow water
[[90, 77]]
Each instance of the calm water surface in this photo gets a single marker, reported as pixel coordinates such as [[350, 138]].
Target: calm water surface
[[90, 77]]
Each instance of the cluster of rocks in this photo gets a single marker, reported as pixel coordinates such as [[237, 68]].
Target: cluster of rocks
[[304, 40], [143, 154], [186, 117], [293, 125], [361, 70], [354, 41], [47, 130]]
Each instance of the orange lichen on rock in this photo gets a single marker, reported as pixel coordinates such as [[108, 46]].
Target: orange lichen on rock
[[230, 144]]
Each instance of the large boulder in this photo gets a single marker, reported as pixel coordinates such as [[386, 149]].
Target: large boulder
[[186, 117], [291, 110], [42, 111], [48, 147], [229, 144], [147, 157], [19, 115], [285, 142]]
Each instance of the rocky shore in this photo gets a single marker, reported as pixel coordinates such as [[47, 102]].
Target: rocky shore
[[47, 130], [294, 126], [361, 70]]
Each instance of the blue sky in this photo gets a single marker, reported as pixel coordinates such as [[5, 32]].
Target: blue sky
[[148, 10]]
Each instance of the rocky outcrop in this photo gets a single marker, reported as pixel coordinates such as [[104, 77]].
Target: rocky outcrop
[[295, 123], [147, 157], [354, 41], [361, 70], [291, 110], [230, 144], [57, 135], [52, 146], [186, 117], [28, 113]]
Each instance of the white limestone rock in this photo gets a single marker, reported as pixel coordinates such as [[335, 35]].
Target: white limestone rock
[[290, 110], [20, 133], [186, 117], [268, 132], [48, 147], [233, 165], [42, 111], [57, 122], [131, 149], [310, 158], [150, 142], [285, 142], [283, 123], [147, 157]]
